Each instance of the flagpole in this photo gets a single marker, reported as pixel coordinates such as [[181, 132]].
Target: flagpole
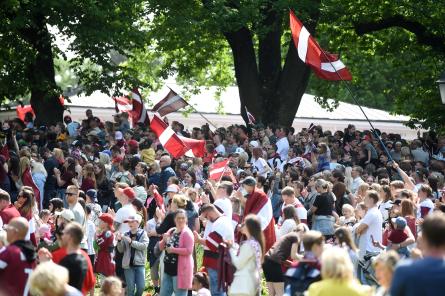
[[358, 104], [202, 115]]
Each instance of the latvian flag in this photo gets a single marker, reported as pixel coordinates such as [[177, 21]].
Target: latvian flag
[[123, 104], [171, 103], [218, 169], [325, 65], [250, 117], [196, 148], [168, 138], [140, 114]]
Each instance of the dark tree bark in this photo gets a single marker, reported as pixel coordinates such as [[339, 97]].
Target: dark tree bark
[[44, 91], [270, 91], [424, 36]]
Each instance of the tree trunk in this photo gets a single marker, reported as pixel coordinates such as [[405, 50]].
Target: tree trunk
[[271, 93], [44, 91]]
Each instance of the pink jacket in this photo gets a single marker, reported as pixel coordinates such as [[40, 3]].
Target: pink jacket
[[185, 257]]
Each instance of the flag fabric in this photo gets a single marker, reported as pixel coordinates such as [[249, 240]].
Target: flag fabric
[[325, 65], [220, 169], [217, 170], [28, 181], [140, 114], [196, 148], [250, 117], [123, 104], [5, 152], [171, 103], [169, 140], [21, 111]]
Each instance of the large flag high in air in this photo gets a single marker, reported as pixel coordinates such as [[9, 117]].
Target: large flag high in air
[[171, 103], [196, 148], [168, 138], [140, 114], [325, 65], [123, 104]]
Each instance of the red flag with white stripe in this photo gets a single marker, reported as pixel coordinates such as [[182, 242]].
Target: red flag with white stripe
[[218, 169], [168, 138], [27, 180], [123, 104], [171, 103], [140, 114], [196, 148], [325, 65]]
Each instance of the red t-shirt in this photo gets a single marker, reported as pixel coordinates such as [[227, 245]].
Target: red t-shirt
[[8, 213], [397, 236], [90, 279], [14, 271]]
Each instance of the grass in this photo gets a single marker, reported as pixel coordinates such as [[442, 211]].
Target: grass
[[199, 254]]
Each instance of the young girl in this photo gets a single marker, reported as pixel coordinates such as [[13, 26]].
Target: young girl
[[248, 259], [153, 259], [45, 227], [104, 262], [201, 284], [88, 178], [348, 218], [290, 221]]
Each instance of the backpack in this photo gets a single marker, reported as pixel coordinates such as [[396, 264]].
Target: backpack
[[298, 279]]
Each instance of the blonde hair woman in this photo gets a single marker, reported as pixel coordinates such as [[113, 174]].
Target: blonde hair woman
[[337, 276], [51, 279]]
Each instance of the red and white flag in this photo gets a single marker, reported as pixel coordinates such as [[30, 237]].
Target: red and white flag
[[140, 114], [217, 170], [168, 138], [27, 180], [196, 148], [123, 104], [171, 103], [250, 117], [325, 65]]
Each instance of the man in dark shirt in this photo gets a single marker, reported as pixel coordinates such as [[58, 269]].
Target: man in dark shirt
[[424, 276], [74, 261], [7, 210], [166, 172], [51, 182]]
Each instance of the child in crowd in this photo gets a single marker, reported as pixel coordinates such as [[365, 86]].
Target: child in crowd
[[151, 254], [398, 236], [104, 262], [201, 284], [91, 231], [348, 218], [44, 230], [91, 199]]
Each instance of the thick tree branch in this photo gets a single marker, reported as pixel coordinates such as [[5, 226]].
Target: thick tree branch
[[424, 36]]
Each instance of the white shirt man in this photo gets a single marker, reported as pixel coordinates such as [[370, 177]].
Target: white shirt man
[[356, 178], [283, 148], [371, 225]]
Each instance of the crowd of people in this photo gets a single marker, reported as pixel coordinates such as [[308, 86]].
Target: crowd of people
[[102, 207]]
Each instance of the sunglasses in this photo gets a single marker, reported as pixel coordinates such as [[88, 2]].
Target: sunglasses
[[69, 193]]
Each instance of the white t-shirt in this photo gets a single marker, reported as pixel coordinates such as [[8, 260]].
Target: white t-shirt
[[221, 149], [122, 214], [261, 166], [355, 184], [225, 205], [384, 209], [283, 148], [427, 203], [374, 220]]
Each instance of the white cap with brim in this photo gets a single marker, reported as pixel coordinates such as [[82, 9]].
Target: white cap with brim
[[172, 188], [136, 217], [66, 214]]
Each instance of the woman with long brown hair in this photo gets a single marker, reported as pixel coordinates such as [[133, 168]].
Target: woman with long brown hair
[[248, 259], [408, 212], [26, 204], [88, 178]]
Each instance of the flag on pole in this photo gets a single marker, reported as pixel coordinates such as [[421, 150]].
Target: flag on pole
[[27, 180], [123, 104], [325, 65], [140, 114], [171, 103], [250, 117], [217, 170], [169, 140], [196, 148]]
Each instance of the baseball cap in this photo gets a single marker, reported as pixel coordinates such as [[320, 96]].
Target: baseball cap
[[92, 193], [118, 135], [133, 143], [132, 218], [66, 214], [249, 181], [184, 166], [129, 192], [172, 188], [117, 159], [400, 222], [254, 144], [239, 150], [107, 218]]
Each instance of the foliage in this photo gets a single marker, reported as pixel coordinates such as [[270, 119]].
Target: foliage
[[92, 30]]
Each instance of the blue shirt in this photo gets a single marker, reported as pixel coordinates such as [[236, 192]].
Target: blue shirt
[[423, 277]]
